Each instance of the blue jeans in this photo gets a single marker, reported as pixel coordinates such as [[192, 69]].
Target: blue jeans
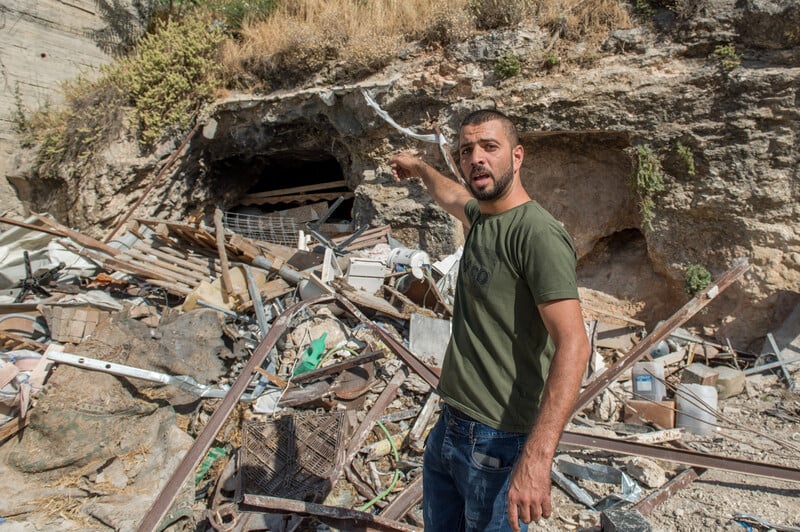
[[466, 471]]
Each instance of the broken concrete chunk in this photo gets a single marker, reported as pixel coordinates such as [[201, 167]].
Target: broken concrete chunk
[[623, 520], [646, 471], [730, 382], [698, 373]]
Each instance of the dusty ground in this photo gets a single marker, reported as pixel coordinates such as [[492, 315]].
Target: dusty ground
[[767, 415]]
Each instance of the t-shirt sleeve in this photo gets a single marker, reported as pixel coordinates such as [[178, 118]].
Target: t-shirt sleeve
[[550, 266], [472, 210]]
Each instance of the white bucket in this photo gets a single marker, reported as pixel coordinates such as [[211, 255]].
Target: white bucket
[[697, 408], [648, 381]]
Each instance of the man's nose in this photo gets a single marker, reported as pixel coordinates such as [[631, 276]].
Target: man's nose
[[477, 157]]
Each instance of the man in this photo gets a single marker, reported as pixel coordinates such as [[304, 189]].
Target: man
[[517, 354]]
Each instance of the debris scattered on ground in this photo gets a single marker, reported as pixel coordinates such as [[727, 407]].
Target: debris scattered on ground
[[185, 375]]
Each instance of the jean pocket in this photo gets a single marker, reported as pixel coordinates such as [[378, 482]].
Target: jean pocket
[[495, 454]]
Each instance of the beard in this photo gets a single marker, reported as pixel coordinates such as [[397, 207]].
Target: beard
[[489, 192]]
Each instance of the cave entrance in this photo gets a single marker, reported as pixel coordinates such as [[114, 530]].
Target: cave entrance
[[280, 193]]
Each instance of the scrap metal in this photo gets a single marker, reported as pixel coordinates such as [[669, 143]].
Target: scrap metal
[[661, 332]]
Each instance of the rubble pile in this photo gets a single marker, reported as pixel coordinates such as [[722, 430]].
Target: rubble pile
[[185, 375]]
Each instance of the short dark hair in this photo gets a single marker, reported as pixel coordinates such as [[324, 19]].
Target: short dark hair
[[487, 115]]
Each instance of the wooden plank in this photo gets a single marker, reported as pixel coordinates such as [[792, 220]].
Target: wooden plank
[[81, 239], [171, 286], [227, 284], [174, 271], [387, 396], [660, 333], [304, 213], [679, 481], [416, 436], [348, 363], [202, 269], [295, 190], [48, 230], [362, 298], [297, 198], [405, 501]]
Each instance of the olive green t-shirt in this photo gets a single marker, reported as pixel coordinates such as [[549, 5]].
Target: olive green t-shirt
[[500, 352]]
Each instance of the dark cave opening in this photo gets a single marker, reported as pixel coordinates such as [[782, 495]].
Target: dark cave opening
[[272, 197]]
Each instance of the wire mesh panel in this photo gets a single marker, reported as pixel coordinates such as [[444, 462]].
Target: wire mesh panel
[[273, 229], [293, 456]]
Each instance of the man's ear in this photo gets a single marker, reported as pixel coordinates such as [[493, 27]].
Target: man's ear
[[518, 153]]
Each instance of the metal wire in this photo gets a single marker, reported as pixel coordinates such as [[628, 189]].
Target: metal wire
[[273, 229]]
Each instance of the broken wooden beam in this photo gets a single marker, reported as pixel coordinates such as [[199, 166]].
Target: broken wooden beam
[[405, 501], [383, 400], [227, 284]]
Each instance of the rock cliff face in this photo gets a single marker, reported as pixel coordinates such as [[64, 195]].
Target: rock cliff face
[[664, 87], [42, 44]]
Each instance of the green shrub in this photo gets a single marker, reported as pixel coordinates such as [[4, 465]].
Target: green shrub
[[507, 65], [687, 156], [172, 73], [647, 180], [727, 56], [697, 279]]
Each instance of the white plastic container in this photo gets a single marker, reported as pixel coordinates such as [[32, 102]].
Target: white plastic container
[[648, 381], [413, 258], [697, 408]]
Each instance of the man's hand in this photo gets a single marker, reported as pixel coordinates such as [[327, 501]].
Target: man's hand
[[405, 165], [529, 491]]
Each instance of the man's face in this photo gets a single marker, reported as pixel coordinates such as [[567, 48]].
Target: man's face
[[487, 159]]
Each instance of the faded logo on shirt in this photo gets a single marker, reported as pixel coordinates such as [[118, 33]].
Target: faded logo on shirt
[[477, 267]]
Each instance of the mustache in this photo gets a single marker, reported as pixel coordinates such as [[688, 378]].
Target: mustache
[[480, 169]]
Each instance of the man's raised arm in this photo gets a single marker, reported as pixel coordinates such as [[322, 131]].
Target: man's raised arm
[[449, 195]]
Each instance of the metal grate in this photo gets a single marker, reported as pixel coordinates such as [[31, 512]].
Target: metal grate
[[273, 229], [292, 457]]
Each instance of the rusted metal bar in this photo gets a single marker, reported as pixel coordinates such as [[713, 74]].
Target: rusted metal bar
[[195, 455], [680, 481], [682, 456], [343, 518], [421, 369], [400, 505], [358, 360], [661, 332]]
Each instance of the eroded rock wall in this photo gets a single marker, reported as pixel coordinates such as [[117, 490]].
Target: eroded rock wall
[[658, 86]]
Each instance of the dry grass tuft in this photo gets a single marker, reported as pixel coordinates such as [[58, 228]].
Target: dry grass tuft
[[301, 37]]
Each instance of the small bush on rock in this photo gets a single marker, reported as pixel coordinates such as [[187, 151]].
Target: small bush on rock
[[508, 65]]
